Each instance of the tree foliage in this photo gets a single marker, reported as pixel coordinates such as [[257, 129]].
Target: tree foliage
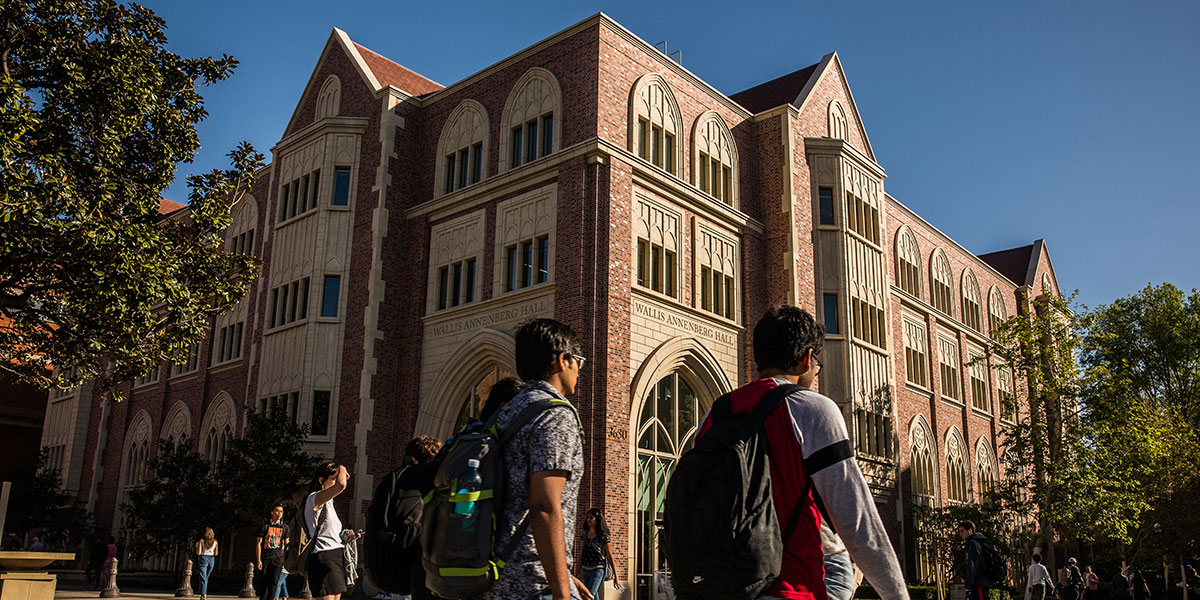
[[180, 497], [1141, 356], [266, 465], [184, 492], [38, 504], [95, 115]]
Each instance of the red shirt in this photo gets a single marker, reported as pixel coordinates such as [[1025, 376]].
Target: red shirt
[[802, 574]]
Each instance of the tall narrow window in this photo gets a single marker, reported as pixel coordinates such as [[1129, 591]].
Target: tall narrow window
[[332, 292], [830, 306], [469, 284], [825, 199], [979, 386], [516, 146], [464, 156], [916, 365], [547, 134], [941, 286], [543, 260], [443, 281], [319, 421], [948, 353], [669, 151], [456, 284], [477, 162], [643, 139], [450, 173]]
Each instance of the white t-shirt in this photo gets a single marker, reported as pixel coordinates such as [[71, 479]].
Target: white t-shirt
[[210, 550], [1038, 574], [327, 538]]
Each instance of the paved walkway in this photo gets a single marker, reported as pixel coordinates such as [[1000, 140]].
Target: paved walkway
[[81, 594]]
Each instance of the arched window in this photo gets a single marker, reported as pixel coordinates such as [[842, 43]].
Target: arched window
[[908, 261], [1047, 286], [714, 158], [971, 304], [957, 484], [924, 490], [666, 429], [216, 431], [986, 472], [655, 125], [996, 310], [837, 120], [531, 124], [329, 101], [177, 425], [462, 148], [941, 282]]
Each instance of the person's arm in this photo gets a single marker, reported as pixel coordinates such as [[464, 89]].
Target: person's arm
[[216, 549], [608, 554], [546, 522], [974, 551], [829, 460], [331, 492], [258, 552]]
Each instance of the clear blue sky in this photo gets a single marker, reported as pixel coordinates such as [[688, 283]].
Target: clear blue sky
[[998, 122]]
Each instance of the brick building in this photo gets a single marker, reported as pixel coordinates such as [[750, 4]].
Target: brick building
[[407, 227]]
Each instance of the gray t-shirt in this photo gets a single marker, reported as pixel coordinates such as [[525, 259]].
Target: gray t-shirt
[[552, 441]]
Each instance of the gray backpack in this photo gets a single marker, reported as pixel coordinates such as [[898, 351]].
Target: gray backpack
[[456, 551]]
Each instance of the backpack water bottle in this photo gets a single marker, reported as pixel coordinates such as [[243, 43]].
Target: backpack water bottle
[[468, 488]]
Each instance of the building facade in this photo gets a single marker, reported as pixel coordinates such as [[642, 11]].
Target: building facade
[[407, 228]]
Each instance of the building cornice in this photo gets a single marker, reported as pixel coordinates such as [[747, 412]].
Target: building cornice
[[838, 146], [354, 125]]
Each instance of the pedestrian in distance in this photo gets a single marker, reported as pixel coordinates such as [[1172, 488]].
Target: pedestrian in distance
[[1091, 583], [206, 558], [810, 459], [1138, 586], [36, 545], [1072, 581], [96, 552], [595, 556], [268, 551], [1038, 581], [1120, 584], [543, 466], [977, 579], [11, 542], [327, 563]]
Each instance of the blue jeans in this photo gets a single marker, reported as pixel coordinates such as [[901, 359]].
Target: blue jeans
[[204, 566], [281, 587], [593, 579], [839, 576]]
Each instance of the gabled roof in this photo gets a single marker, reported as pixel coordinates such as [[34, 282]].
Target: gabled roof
[[776, 92], [1012, 263], [388, 72], [166, 207]]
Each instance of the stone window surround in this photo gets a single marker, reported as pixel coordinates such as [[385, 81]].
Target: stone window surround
[[838, 126], [710, 125], [907, 246], [467, 125], [317, 133], [700, 259], [653, 100], [544, 202], [938, 260], [517, 110], [920, 335], [644, 230], [468, 232], [958, 468]]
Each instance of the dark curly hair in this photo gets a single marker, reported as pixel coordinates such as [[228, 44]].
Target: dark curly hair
[[784, 335], [539, 343], [423, 448]]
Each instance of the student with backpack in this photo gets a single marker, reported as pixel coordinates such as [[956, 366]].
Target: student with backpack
[[543, 468], [985, 566], [809, 458], [392, 538]]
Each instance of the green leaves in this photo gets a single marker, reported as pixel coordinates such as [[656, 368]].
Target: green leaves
[[96, 113]]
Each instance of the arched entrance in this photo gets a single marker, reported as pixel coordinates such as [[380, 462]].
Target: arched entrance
[[461, 386], [673, 390]]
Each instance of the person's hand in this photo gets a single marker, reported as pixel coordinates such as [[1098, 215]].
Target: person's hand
[[258, 565], [343, 476], [584, 592], [616, 584]]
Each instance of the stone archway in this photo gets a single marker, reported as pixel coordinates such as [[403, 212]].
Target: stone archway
[[480, 356], [671, 392]]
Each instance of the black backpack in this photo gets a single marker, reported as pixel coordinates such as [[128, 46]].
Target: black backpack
[[721, 535], [994, 566], [390, 540]]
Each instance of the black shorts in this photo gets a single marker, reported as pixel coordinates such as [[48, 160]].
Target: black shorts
[[327, 572]]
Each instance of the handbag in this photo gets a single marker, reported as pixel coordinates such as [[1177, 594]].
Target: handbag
[[300, 545]]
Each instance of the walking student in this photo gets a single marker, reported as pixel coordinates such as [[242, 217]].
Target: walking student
[[977, 580], [206, 558], [268, 552], [327, 563], [811, 457], [543, 466], [1039, 579], [596, 554]]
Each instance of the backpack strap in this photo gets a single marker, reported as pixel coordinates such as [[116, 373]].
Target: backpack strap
[[768, 403]]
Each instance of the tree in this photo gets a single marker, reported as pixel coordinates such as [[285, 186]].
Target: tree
[[38, 503], [95, 115], [268, 464], [1141, 356], [181, 497]]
